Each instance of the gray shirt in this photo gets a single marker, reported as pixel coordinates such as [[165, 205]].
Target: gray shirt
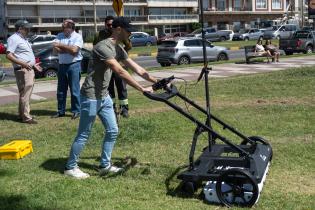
[[21, 49], [97, 81]]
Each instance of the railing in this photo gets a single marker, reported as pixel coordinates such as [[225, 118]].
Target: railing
[[58, 20], [236, 9], [172, 17]]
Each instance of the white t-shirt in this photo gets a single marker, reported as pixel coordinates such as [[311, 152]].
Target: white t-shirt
[[260, 48]]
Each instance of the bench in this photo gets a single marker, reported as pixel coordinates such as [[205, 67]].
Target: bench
[[250, 54]]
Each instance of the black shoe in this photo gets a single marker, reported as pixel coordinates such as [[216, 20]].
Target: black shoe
[[75, 116], [58, 115], [31, 121], [124, 111]]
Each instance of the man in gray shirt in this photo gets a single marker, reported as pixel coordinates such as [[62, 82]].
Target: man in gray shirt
[[20, 53], [95, 99]]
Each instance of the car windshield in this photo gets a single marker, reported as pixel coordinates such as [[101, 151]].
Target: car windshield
[[32, 38], [198, 31], [169, 44]]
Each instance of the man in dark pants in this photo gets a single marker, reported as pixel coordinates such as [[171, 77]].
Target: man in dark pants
[[68, 45], [115, 79]]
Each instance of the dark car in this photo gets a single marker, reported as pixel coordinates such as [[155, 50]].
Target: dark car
[[50, 65], [142, 39]]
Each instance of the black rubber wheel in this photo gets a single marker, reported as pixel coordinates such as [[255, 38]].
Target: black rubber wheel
[[222, 57], [309, 50], [288, 53], [50, 73], [246, 39], [184, 60], [222, 39], [148, 44], [237, 187], [189, 187]]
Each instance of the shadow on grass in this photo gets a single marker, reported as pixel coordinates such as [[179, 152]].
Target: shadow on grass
[[6, 173], [9, 116], [179, 190], [19, 202], [40, 112], [58, 164]]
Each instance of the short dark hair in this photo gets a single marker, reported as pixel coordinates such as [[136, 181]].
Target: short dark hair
[[109, 17]]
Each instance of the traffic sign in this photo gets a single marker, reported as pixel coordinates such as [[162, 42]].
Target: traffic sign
[[118, 6]]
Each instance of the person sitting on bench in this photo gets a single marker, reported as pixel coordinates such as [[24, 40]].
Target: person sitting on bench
[[260, 50], [272, 49]]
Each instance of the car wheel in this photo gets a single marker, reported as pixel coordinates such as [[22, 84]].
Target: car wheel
[[222, 38], [184, 60], [148, 44], [165, 64], [50, 73], [278, 37], [246, 39], [222, 57], [309, 49], [288, 52]]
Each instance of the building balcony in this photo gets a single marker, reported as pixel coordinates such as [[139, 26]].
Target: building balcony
[[172, 19], [74, 2], [237, 11], [172, 3], [49, 22]]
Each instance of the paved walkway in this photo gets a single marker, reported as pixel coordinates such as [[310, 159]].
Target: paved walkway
[[47, 89]]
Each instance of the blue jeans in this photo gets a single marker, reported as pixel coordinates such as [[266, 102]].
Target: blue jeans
[[89, 108], [69, 75]]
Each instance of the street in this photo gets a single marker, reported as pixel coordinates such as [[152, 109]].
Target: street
[[144, 61]]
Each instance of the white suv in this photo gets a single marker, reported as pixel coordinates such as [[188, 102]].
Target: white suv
[[42, 39], [188, 50]]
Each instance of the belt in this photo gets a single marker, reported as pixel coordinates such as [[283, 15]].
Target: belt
[[67, 64], [20, 67]]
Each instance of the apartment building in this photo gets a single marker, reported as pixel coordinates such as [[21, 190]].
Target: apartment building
[[236, 14], [47, 15]]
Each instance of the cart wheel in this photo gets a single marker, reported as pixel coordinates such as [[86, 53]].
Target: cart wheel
[[189, 187], [261, 140], [237, 186]]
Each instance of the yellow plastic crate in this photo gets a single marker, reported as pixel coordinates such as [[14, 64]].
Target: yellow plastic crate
[[16, 149]]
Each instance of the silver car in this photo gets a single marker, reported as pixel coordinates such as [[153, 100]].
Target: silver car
[[42, 39], [188, 50]]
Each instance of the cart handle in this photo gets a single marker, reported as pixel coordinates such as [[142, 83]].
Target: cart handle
[[170, 91]]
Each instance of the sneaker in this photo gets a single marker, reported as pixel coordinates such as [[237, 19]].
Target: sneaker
[[110, 169], [124, 111], [76, 173]]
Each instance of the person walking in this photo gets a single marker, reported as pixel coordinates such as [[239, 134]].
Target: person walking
[[20, 53], [95, 99], [120, 84], [68, 44]]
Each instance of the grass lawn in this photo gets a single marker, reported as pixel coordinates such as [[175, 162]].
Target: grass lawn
[[278, 106]]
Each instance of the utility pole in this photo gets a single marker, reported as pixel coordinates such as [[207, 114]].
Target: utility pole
[[94, 10]]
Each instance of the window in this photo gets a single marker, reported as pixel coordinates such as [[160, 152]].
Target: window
[[237, 5], [276, 4], [192, 43], [221, 5], [261, 4]]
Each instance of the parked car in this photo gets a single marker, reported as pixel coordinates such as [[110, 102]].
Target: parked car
[[301, 41], [2, 48], [163, 37], [41, 39], [211, 34], [231, 33], [187, 50], [142, 39], [50, 63], [248, 34], [284, 31], [307, 28]]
